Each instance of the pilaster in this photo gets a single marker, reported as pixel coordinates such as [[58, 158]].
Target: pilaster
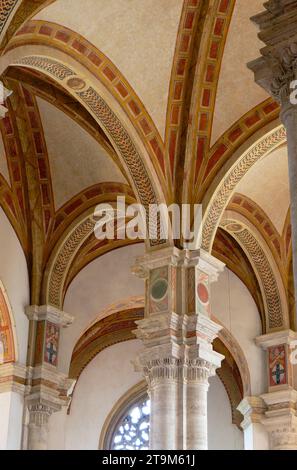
[[47, 388], [280, 418]]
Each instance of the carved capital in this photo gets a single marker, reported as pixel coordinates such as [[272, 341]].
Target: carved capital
[[277, 71], [277, 67], [39, 413], [168, 369], [198, 371]]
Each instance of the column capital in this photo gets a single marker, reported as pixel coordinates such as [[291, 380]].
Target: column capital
[[252, 409], [50, 314], [276, 68]]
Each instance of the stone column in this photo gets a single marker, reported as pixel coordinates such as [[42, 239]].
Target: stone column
[[280, 418], [177, 333], [47, 387], [275, 71]]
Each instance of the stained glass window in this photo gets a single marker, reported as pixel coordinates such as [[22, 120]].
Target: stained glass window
[[132, 432]]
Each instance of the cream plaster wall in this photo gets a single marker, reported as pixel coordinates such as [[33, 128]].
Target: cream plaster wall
[[234, 307], [237, 92], [77, 161], [222, 434], [11, 415], [103, 282], [267, 183], [138, 36], [3, 161], [104, 381], [14, 276]]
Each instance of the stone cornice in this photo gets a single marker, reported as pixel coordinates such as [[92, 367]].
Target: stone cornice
[[175, 257], [274, 339], [253, 410], [49, 313]]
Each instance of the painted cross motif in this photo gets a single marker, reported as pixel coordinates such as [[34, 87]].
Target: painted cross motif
[[277, 366], [278, 374], [51, 344]]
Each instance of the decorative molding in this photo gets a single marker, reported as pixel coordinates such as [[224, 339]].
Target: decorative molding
[[6, 9], [226, 187], [49, 313], [253, 410], [188, 40], [229, 142], [19, 14], [74, 45], [248, 208], [208, 74], [275, 309], [61, 259], [228, 250], [114, 128]]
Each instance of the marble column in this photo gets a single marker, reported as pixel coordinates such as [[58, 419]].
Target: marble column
[[177, 333], [275, 71], [47, 388]]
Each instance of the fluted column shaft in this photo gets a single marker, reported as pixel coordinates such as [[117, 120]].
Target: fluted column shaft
[[164, 390], [196, 391]]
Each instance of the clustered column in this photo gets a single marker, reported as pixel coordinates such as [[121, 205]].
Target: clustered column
[[177, 333]]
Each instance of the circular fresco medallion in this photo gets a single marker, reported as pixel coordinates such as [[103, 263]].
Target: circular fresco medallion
[[234, 227], [159, 289], [76, 83], [202, 292]]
